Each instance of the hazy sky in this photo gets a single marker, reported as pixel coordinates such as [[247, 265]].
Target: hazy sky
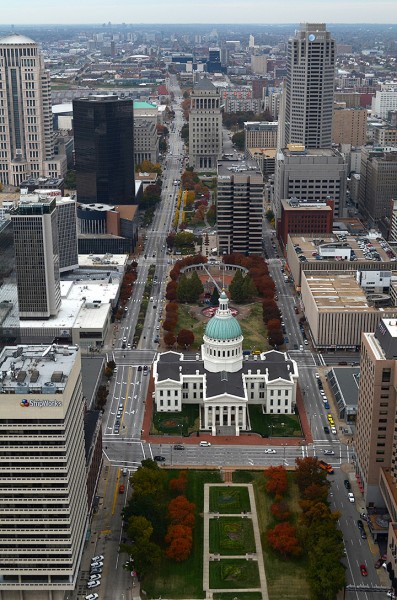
[[198, 11]]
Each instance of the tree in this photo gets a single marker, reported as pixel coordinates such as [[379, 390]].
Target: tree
[[169, 339], [196, 285], [309, 472], [178, 484], [249, 289], [170, 292], [170, 323], [238, 139], [148, 480], [178, 532], [179, 549], [269, 214], [236, 287], [70, 180], [283, 539], [185, 338], [276, 480], [181, 511], [270, 310], [215, 297], [280, 511], [148, 167], [276, 337], [273, 324], [139, 527], [146, 555]]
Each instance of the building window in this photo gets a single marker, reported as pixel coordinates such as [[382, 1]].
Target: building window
[[386, 375]]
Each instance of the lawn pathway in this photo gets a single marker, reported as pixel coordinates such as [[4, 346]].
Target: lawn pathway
[[208, 557]]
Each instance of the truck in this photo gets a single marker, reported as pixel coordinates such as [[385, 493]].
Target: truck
[[327, 467]]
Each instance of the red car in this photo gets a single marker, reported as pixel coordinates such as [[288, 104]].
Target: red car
[[363, 570]]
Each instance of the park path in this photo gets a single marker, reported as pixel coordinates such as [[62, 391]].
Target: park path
[[258, 555]]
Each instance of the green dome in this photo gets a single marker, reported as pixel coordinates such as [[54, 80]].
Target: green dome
[[223, 329]]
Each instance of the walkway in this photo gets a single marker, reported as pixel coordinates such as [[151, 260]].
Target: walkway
[[256, 556]]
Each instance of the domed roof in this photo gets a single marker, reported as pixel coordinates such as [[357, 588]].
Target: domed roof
[[15, 38], [223, 326]]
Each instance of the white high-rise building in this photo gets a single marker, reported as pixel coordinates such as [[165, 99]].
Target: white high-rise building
[[43, 483], [310, 87], [26, 131]]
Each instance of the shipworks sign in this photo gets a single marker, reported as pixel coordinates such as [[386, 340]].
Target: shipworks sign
[[41, 403]]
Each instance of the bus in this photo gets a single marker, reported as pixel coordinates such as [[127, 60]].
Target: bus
[[326, 467]]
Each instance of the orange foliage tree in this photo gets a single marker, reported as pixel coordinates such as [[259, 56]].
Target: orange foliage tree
[[276, 480], [181, 511], [283, 539]]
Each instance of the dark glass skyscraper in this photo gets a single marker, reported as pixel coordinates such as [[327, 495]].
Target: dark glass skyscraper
[[104, 149]]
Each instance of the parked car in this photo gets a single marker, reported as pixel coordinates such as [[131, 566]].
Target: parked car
[[204, 443], [93, 584], [95, 577], [350, 495], [121, 488], [97, 558], [330, 452], [360, 524], [93, 596], [378, 563], [347, 485], [326, 429], [97, 563]]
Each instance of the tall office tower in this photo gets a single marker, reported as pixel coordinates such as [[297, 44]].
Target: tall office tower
[[205, 126], [378, 184], [214, 60], [310, 87], [240, 207], [43, 490], [26, 132], [104, 149], [37, 257]]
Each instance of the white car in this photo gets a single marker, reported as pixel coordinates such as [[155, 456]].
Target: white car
[[270, 451], [100, 556], [95, 577], [350, 495], [93, 584], [317, 375], [95, 564], [93, 596], [330, 452], [204, 443], [333, 430]]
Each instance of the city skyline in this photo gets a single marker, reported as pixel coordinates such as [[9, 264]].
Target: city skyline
[[23, 12]]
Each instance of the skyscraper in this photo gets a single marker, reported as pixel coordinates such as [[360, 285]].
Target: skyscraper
[[26, 133], [104, 149], [37, 257], [205, 126], [43, 490], [310, 87]]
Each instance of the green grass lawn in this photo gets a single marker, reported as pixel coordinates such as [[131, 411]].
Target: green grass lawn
[[187, 321], [285, 579], [176, 423], [274, 425], [231, 536], [254, 330], [234, 573], [229, 500], [184, 579]]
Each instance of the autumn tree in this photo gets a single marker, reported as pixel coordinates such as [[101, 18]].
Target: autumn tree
[[309, 472], [280, 510], [273, 324], [169, 339], [181, 511], [170, 323], [276, 480], [179, 484], [185, 338], [180, 540], [276, 337], [170, 292], [283, 539]]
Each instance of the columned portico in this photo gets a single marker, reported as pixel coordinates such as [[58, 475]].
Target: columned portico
[[222, 414]]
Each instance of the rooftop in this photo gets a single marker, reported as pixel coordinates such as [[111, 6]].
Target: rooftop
[[16, 39], [307, 246], [36, 368], [339, 291]]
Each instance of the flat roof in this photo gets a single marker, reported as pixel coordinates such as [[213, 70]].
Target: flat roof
[[39, 366], [100, 261], [309, 152], [339, 291], [238, 167], [302, 205], [308, 244]]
